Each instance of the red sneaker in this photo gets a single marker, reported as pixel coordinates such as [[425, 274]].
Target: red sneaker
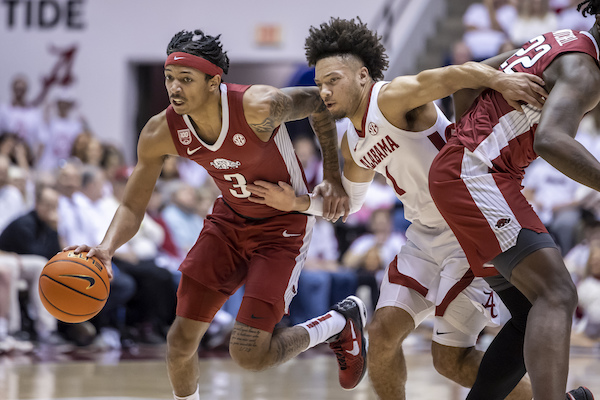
[[350, 345], [581, 393]]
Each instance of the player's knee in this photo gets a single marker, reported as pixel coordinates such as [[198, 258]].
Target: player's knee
[[386, 333], [561, 294], [248, 359], [181, 342], [448, 361]]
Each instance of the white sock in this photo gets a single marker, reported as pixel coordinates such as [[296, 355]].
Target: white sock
[[194, 396], [322, 328], [3, 327]]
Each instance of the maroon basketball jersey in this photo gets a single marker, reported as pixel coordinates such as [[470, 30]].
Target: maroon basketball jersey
[[496, 133], [239, 157]]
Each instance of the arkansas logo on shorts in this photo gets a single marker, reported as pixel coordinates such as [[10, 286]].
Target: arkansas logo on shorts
[[502, 222], [185, 136]]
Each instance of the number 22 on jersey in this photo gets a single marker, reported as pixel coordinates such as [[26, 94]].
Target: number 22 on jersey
[[527, 56]]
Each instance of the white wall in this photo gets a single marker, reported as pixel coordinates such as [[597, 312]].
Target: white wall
[[118, 32]]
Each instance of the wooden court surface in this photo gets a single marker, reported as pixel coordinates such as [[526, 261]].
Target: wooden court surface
[[122, 376]]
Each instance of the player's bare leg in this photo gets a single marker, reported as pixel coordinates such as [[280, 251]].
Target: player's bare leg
[[461, 365], [543, 278], [386, 363], [342, 328], [256, 350], [182, 359]]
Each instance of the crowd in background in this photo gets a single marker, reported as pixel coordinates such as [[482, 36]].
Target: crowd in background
[[60, 184]]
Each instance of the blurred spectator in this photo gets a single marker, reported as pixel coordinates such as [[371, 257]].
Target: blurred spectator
[[153, 299], [583, 262], [534, 18], [18, 118], [112, 161], [146, 248], [323, 281], [74, 226], [182, 217], [570, 18], [307, 152], [80, 145], [487, 25], [170, 172], [63, 125], [10, 197], [93, 152], [552, 196], [27, 243], [15, 148], [371, 253]]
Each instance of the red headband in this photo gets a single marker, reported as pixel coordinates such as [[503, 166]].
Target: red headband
[[192, 61]]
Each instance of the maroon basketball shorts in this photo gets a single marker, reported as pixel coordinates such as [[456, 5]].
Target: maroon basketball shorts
[[265, 255]]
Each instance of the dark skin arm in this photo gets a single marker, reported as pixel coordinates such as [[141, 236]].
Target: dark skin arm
[[573, 79]]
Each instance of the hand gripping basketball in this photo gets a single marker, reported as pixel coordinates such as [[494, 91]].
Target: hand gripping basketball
[[74, 287]]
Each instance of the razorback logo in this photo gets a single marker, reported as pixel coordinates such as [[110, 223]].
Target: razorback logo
[[221, 163], [502, 222]]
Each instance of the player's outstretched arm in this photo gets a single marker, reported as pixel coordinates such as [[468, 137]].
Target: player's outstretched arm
[[574, 93], [410, 92]]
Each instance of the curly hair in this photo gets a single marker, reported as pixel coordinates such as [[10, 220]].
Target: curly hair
[[591, 7], [201, 45], [343, 37]]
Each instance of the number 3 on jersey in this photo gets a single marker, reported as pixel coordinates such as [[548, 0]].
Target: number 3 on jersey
[[239, 185], [536, 50]]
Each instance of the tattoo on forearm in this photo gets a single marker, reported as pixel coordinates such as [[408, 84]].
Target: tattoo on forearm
[[324, 127], [245, 337]]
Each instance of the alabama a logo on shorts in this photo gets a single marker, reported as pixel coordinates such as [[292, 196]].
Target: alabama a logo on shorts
[[185, 136], [221, 163]]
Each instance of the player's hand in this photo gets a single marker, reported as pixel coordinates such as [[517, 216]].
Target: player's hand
[[336, 203], [101, 254], [520, 87], [281, 196]]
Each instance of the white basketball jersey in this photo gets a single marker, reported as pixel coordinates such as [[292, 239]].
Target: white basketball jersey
[[403, 157]]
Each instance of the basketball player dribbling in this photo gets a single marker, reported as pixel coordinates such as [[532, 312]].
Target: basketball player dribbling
[[238, 134], [396, 130], [476, 184]]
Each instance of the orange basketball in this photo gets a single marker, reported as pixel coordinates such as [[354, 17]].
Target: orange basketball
[[74, 287]]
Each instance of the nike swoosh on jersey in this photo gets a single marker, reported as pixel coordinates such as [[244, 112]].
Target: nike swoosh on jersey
[[355, 348], [286, 234], [190, 152]]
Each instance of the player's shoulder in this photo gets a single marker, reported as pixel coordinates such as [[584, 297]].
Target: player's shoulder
[[156, 124], [155, 136]]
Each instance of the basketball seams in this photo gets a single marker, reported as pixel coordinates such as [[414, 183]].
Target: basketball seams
[[90, 315], [73, 289], [83, 265]]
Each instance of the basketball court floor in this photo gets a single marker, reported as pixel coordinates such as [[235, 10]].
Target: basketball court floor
[[140, 374]]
